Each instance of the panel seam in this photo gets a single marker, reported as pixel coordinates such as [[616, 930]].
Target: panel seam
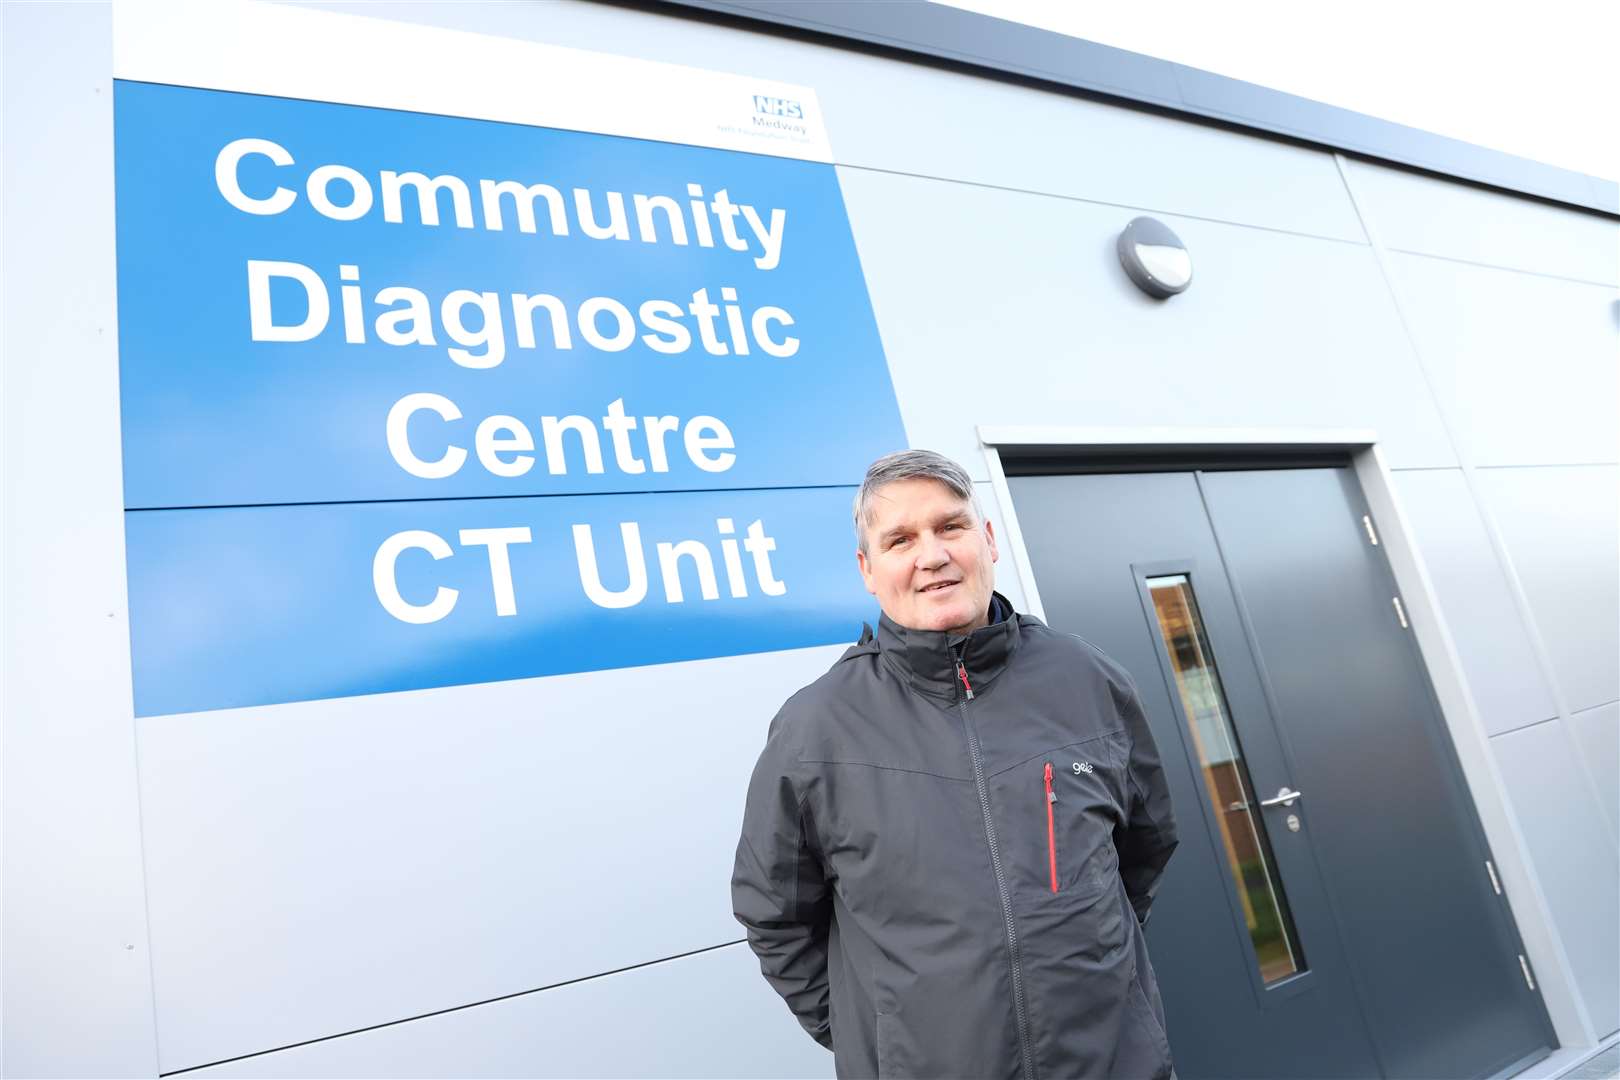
[[451, 1009], [989, 186], [1505, 268]]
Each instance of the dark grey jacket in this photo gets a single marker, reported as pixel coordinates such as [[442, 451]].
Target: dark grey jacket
[[901, 883]]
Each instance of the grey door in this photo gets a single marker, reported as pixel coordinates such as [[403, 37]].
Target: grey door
[[1329, 911]]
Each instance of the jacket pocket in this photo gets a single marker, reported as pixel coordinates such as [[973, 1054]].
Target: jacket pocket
[[1051, 828], [1074, 825], [1056, 813]]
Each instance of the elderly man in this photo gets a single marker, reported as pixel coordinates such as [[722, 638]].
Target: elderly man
[[952, 837]]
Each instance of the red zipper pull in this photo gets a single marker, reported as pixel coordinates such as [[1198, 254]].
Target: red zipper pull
[[1051, 828], [961, 673]]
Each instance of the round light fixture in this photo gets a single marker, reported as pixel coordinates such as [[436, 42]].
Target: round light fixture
[[1154, 258]]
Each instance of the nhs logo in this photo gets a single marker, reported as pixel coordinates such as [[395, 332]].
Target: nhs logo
[[775, 106]]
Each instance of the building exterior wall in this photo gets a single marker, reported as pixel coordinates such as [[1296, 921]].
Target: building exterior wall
[[560, 852]]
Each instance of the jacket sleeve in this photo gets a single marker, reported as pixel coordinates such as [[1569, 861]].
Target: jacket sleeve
[[779, 890], [1148, 837]]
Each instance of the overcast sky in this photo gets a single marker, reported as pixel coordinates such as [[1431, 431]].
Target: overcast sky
[[1540, 78]]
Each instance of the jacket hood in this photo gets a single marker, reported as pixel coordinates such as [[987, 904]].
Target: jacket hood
[[927, 658]]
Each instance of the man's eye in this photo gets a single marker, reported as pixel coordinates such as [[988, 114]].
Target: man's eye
[[897, 541]]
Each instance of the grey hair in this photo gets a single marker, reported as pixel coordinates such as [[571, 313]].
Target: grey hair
[[910, 465]]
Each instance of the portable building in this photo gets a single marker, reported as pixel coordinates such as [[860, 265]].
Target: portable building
[[429, 438]]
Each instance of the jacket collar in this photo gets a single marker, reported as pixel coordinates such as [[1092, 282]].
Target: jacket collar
[[927, 658]]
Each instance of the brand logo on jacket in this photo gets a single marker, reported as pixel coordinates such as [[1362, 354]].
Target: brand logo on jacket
[[1082, 767]]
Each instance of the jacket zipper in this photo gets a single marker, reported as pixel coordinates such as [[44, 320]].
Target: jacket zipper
[[1051, 830], [1020, 1010], [961, 673]]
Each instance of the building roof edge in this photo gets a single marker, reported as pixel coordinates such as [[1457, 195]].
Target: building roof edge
[[1001, 48]]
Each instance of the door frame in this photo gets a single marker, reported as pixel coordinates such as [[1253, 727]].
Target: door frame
[[1094, 446]]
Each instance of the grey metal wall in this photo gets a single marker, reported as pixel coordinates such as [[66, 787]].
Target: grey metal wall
[[313, 870]]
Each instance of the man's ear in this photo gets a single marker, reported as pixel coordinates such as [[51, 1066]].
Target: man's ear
[[866, 570], [990, 535]]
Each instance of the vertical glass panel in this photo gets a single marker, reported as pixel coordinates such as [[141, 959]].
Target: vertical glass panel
[[1226, 779]]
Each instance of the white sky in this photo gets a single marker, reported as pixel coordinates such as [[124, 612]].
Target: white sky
[[1539, 78]]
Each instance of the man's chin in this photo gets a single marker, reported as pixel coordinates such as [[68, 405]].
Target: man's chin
[[948, 620]]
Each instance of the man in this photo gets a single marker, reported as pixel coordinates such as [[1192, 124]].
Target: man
[[952, 837]]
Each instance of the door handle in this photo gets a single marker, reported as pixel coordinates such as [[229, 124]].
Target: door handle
[[1284, 797]]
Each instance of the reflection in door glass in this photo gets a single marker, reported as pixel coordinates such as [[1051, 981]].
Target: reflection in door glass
[[1226, 779]]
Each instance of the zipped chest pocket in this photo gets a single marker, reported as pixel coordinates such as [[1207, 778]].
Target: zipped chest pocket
[[1063, 807]]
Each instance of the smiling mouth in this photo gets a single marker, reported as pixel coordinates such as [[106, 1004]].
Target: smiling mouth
[[938, 585]]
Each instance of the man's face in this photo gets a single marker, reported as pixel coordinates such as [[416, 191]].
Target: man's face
[[928, 560]]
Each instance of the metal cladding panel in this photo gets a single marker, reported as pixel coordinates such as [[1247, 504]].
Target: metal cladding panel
[[1426, 215], [913, 118], [74, 962], [1574, 856], [1495, 649], [1524, 364], [317, 868], [1561, 531], [397, 854], [1019, 313], [708, 1015], [1597, 731]]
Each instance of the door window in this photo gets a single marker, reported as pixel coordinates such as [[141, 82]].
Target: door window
[[1226, 779]]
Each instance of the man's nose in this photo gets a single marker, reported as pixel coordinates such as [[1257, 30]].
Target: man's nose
[[931, 553]]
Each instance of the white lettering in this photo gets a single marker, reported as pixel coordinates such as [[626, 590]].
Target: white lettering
[[417, 311], [705, 433], [590, 309], [656, 428], [620, 426], [386, 584], [551, 430], [770, 239], [523, 199], [490, 334], [225, 178], [490, 446], [728, 550], [321, 179], [617, 227], [762, 332], [427, 197], [760, 546], [523, 314], [668, 336], [648, 228], [669, 567], [399, 444], [725, 212], [262, 325], [635, 561], [500, 563]]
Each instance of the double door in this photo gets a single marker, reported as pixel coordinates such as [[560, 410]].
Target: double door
[[1331, 910]]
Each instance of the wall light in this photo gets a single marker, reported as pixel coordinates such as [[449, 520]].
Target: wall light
[[1154, 258]]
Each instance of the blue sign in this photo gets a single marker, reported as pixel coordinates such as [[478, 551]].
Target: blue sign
[[414, 401], [324, 302], [259, 605]]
